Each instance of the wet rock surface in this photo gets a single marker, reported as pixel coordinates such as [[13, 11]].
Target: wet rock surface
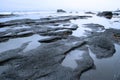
[[58, 54], [94, 27], [48, 56], [42, 20], [102, 47]]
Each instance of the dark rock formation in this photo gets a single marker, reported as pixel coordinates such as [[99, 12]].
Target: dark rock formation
[[106, 14], [102, 47], [116, 14], [113, 35], [57, 33], [89, 12], [60, 11], [102, 43], [7, 15], [51, 39]]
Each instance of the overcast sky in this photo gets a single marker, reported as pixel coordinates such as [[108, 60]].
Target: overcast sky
[[25, 5]]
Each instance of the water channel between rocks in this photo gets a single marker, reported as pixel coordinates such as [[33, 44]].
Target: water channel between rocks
[[106, 68]]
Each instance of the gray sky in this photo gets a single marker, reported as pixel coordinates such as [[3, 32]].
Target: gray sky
[[22, 5]]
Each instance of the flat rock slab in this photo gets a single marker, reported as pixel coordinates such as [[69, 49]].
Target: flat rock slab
[[44, 63]]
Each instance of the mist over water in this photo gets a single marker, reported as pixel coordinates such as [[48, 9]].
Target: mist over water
[[43, 5]]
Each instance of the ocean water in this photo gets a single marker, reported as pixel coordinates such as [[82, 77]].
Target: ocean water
[[35, 15]]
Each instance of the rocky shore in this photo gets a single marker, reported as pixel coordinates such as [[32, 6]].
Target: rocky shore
[[58, 55]]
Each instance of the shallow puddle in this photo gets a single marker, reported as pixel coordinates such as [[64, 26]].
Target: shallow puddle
[[70, 59], [81, 31], [4, 29], [17, 42], [106, 69]]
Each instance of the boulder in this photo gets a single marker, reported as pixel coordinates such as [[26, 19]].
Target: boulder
[[61, 11], [106, 14]]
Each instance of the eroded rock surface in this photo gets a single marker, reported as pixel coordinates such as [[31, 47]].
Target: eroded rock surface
[[48, 60], [102, 43], [44, 62], [102, 47]]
